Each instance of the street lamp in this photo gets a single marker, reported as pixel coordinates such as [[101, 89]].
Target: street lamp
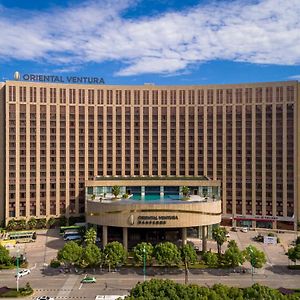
[[144, 269], [107, 261], [252, 262], [17, 268]]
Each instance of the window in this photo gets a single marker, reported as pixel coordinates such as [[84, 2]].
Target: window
[[12, 93], [22, 91], [52, 95]]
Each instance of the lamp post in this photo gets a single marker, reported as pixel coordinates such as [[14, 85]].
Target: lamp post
[[17, 268], [107, 261], [144, 269], [186, 273], [252, 262]]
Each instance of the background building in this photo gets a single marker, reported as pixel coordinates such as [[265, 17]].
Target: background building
[[57, 136]]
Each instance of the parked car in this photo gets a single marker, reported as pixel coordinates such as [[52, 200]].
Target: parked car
[[259, 238], [44, 298], [234, 229], [22, 273], [228, 235], [88, 280], [244, 229]]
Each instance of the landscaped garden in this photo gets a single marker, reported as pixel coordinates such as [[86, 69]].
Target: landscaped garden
[[87, 254]]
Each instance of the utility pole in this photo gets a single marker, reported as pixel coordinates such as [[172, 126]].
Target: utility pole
[[252, 262], [144, 269], [17, 268], [186, 277]]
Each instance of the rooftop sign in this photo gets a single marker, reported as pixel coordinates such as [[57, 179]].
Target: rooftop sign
[[58, 79]]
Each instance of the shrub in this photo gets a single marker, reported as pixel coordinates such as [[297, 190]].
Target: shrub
[[210, 258], [294, 267], [54, 263], [7, 267], [23, 292]]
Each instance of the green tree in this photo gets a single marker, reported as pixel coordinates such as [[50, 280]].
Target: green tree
[[167, 254], [91, 256], [32, 223], [138, 253], [185, 191], [233, 256], [5, 258], [90, 236], [114, 254], [257, 291], [71, 253], [188, 256], [51, 222], [256, 257], [116, 191], [41, 223], [63, 221], [210, 258], [170, 290], [294, 253], [11, 225], [21, 224], [219, 235]]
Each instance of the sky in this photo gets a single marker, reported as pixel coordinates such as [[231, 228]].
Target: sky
[[162, 42]]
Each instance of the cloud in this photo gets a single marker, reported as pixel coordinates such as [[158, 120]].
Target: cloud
[[261, 32], [294, 77]]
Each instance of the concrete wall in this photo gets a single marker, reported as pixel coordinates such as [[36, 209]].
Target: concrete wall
[[120, 214]]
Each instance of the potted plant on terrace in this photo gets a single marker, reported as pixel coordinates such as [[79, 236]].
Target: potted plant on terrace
[[185, 192]]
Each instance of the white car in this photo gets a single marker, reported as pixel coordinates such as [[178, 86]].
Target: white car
[[244, 229], [228, 235], [22, 273], [44, 298]]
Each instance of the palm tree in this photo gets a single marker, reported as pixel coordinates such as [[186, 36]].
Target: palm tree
[[116, 191], [21, 224], [41, 223], [32, 223], [185, 191], [11, 225], [90, 236], [219, 235], [51, 221]]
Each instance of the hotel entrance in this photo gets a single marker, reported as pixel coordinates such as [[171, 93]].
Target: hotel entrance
[[153, 236]]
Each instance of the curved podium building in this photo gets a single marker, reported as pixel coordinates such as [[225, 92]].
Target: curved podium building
[[153, 205]]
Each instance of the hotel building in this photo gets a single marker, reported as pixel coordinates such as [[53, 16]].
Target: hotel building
[[55, 137]]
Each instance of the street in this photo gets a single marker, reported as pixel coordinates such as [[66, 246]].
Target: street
[[69, 286]]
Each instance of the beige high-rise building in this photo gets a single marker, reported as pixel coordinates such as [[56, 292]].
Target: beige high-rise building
[[56, 136]]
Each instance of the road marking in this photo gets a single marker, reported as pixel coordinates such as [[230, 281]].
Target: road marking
[[67, 287], [81, 282]]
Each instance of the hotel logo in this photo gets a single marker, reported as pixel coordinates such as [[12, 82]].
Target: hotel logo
[[17, 75]]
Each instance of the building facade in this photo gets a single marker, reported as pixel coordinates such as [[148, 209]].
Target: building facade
[[57, 136]]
